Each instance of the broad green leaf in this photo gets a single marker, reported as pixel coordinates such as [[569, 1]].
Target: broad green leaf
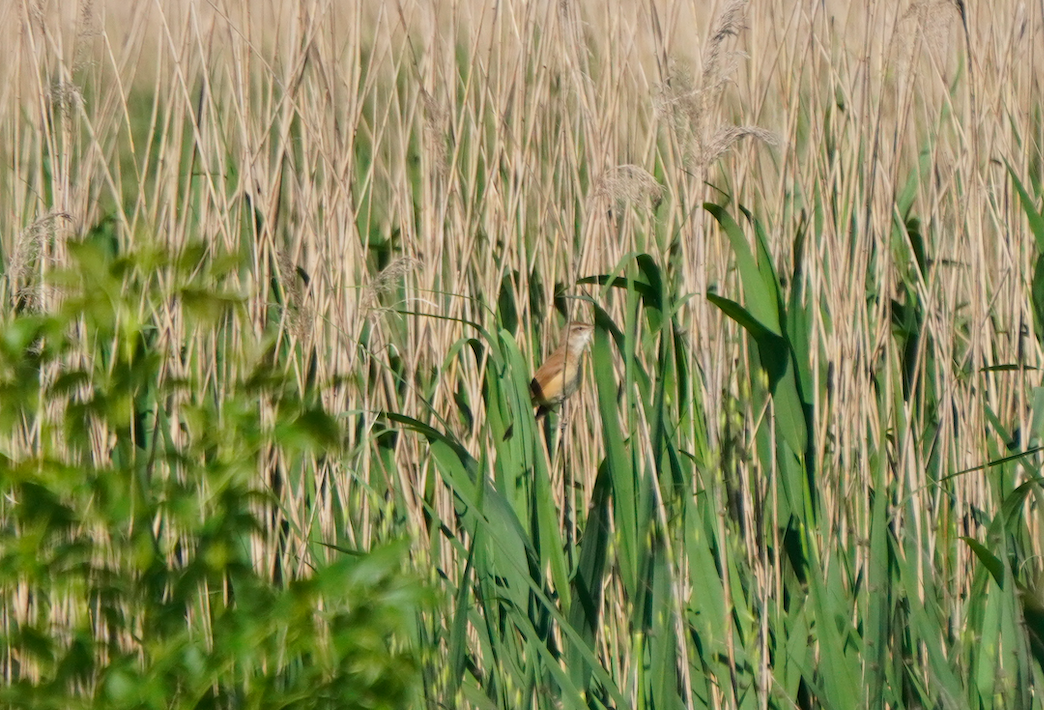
[[1029, 206], [619, 463], [761, 302], [585, 609]]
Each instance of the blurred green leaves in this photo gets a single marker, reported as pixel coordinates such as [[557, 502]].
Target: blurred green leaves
[[133, 498]]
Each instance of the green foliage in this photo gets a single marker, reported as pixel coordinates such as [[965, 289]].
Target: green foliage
[[132, 501], [781, 336]]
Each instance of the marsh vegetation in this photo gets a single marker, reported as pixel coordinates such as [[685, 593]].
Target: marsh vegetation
[[276, 277]]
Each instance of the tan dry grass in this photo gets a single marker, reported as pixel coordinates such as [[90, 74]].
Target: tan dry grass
[[497, 139]]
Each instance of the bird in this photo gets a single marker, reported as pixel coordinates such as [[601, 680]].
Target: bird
[[559, 376]]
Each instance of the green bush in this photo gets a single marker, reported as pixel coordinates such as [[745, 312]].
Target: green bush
[[138, 423]]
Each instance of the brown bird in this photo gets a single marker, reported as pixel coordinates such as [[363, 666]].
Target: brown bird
[[559, 376]]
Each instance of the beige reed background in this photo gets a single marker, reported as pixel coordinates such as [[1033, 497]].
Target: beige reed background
[[547, 141]]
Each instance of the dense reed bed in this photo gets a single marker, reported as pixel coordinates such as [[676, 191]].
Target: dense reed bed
[[277, 276]]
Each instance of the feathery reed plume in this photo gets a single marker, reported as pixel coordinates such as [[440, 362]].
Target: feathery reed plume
[[628, 184], [299, 317], [724, 138], [88, 27], [688, 106], [28, 247], [933, 22], [437, 132], [66, 98], [386, 281]]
